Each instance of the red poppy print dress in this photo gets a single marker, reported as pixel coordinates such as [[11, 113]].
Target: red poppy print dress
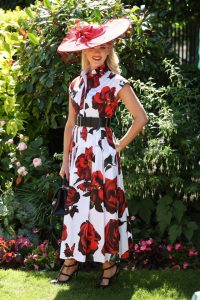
[[95, 226]]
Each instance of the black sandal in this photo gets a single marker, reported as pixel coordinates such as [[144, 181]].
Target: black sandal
[[75, 274], [114, 276]]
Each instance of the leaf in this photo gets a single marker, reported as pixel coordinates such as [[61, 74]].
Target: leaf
[[49, 82], [179, 209], [145, 209], [174, 232], [6, 46], [33, 38], [189, 230], [164, 212], [47, 4], [29, 13]]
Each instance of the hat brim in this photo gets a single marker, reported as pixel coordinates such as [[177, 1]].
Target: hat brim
[[113, 29]]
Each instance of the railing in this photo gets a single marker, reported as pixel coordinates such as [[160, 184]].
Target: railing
[[185, 41]]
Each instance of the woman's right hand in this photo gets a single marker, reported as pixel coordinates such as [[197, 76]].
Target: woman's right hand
[[64, 170]]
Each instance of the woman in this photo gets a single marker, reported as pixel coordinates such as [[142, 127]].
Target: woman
[[95, 225]]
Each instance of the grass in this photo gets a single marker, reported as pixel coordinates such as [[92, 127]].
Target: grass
[[137, 285]]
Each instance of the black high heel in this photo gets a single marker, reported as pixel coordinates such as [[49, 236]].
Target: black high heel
[[75, 274], [110, 279]]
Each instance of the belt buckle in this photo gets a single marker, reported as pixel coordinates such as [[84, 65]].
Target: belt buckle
[[99, 123]]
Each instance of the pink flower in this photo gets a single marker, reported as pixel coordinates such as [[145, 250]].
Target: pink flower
[[143, 247], [35, 230], [41, 247], [18, 164], [185, 265], [148, 249], [9, 256], [149, 241], [10, 141], [37, 162], [35, 256], [169, 248], [137, 248], [22, 146], [22, 171], [177, 246], [193, 252], [132, 218], [59, 242], [22, 242]]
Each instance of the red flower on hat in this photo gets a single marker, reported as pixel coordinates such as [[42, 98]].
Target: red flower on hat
[[85, 33]]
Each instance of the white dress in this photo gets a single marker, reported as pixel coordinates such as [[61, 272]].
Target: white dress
[[95, 225]]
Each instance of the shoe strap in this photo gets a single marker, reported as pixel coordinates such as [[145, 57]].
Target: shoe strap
[[109, 267], [106, 278], [70, 265], [61, 273]]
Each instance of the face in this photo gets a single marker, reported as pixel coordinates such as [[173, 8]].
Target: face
[[97, 55]]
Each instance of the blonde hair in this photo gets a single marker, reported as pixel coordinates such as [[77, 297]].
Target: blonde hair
[[112, 61]]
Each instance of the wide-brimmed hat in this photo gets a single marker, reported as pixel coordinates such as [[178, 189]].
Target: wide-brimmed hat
[[83, 35]]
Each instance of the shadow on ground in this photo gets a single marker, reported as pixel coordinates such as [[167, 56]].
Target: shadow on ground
[[184, 283]]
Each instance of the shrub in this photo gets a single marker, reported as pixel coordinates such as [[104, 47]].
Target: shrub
[[161, 167]]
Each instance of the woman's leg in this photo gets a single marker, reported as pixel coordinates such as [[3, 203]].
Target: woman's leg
[[68, 270], [110, 272]]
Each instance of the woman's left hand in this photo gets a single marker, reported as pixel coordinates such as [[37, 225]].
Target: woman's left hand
[[117, 146]]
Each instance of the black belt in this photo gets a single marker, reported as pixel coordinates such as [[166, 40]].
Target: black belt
[[93, 122]]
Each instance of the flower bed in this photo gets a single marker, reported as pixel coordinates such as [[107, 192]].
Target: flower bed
[[22, 253], [147, 254]]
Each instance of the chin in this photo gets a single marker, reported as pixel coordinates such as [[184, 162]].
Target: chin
[[97, 63]]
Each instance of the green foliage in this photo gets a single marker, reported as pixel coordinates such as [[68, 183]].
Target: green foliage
[[165, 168], [43, 72], [11, 4], [161, 167], [25, 202]]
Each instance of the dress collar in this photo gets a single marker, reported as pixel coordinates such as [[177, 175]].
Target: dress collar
[[100, 71]]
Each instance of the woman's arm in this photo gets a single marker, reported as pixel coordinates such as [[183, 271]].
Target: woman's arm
[[71, 121], [127, 95]]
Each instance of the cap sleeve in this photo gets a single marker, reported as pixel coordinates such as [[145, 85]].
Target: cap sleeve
[[72, 86], [120, 81]]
